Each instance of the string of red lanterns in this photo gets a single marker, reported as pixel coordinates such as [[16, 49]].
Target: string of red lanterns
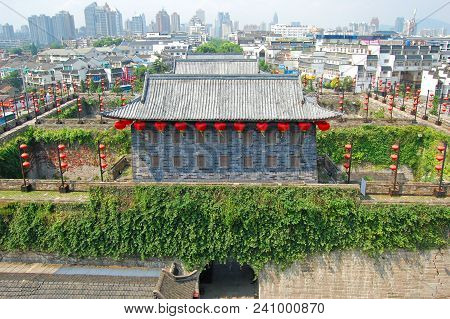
[[222, 126]]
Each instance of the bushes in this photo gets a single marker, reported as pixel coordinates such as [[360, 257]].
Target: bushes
[[198, 224], [371, 144]]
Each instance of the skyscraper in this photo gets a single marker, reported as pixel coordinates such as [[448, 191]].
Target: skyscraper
[[137, 25], [162, 22], [201, 15], [275, 18], [64, 25], [175, 22], [102, 21], [8, 32], [375, 24], [41, 30], [223, 25], [399, 24]]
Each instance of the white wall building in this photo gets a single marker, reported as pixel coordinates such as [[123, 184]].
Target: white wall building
[[289, 31]]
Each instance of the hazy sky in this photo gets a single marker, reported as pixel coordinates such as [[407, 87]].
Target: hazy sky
[[325, 13]]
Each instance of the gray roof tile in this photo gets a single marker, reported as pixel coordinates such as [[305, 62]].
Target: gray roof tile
[[222, 97], [200, 66]]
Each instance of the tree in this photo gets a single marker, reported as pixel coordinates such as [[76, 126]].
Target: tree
[[82, 86], [33, 49], [159, 67], [14, 79], [56, 45], [263, 66], [219, 46], [17, 51], [92, 86], [108, 41]]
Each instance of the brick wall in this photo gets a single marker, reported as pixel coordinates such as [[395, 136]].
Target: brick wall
[[146, 151], [355, 275]]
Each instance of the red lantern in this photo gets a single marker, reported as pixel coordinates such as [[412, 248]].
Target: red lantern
[[26, 164], [438, 167], [25, 156], [220, 126], [139, 126], [104, 165], [181, 126], [346, 166], [64, 165], [23, 146], [304, 126], [347, 156], [393, 167], [120, 125], [395, 147], [440, 158], [348, 147], [102, 156], [323, 126], [127, 122], [63, 156], [239, 126], [201, 126], [61, 147], [283, 127], [160, 126], [101, 146], [394, 157], [262, 126], [441, 148]]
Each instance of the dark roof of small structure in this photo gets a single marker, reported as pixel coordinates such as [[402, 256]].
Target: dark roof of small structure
[[217, 66], [174, 284], [222, 97]]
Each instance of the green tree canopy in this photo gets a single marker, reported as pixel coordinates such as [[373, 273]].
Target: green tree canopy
[[106, 42], [219, 46]]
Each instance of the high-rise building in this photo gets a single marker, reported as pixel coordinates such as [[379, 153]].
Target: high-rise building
[[64, 25], [201, 15], [236, 26], [102, 21], [41, 30], [223, 26], [162, 22], [8, 32], [275, 18], [175, 22], [375, 24], [399, 24], [137, 25]]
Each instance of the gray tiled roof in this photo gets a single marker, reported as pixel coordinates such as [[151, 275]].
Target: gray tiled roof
[[200, 66], [222, 97]]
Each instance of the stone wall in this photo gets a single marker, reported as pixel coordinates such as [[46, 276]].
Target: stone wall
[[411, 189], [341, 275], [154, 153]]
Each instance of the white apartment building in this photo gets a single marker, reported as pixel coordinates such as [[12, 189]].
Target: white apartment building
[[289, 31]]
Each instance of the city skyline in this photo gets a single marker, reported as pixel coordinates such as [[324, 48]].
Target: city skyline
[[307, 12]]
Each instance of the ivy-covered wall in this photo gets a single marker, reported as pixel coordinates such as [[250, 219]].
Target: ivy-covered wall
[[372, 145], [118, 142], [198, 224]]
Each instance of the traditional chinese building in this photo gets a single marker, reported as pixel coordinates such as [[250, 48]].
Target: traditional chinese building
[[210, 128]]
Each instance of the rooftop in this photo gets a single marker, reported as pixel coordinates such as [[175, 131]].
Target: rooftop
[[222, 97], [207, 66]]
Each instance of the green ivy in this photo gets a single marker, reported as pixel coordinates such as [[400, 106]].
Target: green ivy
[[117, 141], [198, 224], [372, 145]]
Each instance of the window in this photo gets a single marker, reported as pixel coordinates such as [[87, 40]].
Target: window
[[177, 161], [248, 138], [153, 137], [201, 161], [200, 137], [155, 161], [223, 137], [296, 138], [224, 161], [271, 161], [271, 137], [295, 161], [176, 137], [248, 162]]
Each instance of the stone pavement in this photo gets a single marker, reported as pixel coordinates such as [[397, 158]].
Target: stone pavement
[[55, 281]]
